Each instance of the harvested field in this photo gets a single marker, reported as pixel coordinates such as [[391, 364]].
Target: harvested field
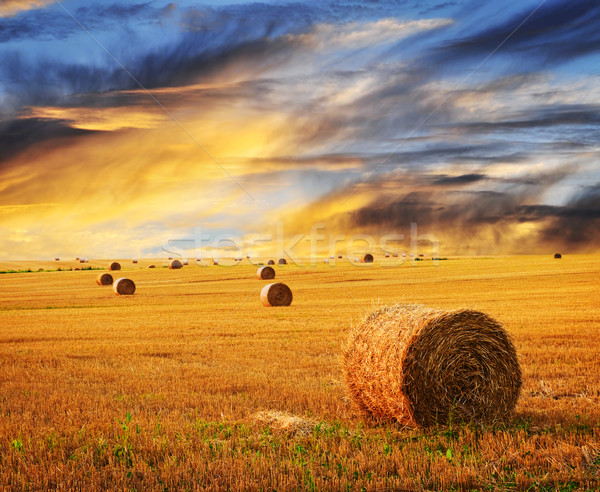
[[192, 383]]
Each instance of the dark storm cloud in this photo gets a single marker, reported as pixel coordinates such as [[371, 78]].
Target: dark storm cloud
[[18, 135], [548, 116], [558, 31], [445, 180], [577, 224]]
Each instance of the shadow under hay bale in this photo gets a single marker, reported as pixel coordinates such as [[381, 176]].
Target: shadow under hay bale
[[422, 367], [266, 273], [124, 287], [104, 279], [368, 258], [276, 295], [114, 266], [175, 265], [557, 256]]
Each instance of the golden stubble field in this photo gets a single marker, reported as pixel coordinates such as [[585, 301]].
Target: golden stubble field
[[192, 384]]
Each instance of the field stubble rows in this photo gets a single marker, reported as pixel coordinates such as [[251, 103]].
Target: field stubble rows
[[192, 383]]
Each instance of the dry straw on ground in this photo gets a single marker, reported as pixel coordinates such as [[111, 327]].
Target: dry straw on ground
[[265, 273], [420, 366], [175, 265], [114, 266], [368, 258], [285, 421], [276, 295], [104, 279], [124, 287]]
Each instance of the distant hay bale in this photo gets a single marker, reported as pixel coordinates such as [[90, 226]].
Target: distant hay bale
[[276, 295], [114, 266], [332, 257], [281, 261], [557, 255], [77, 258], [326, 260], [175, 265], [420, 366], [270, 262], [151, 266], [40, 269], [266, 273], [387, 255], [339, 257], [215, 262], [124, 287], [185, 262], [56, 259], [368, 258], [134, 261], [81, 260], [104, 279]]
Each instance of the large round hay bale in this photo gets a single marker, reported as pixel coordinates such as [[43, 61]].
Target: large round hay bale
[[557, 255], [270, 262], [266, 273], [368, 258], [114, 266], [104, 279], [124, 287], [276, 295], [175, 265], [420, 366], [281, 261]]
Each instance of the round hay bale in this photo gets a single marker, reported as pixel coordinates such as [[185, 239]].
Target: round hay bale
[[557, 255], [114, 266], [276, 295], [151, 266], [281, 261], [124, 287], [134, 261], [77, 269], [368, 258], [175, 265], [215, 262], [185, 262], [422, 367], [56, 259], [265, 273], [104, 279], [270, 262]]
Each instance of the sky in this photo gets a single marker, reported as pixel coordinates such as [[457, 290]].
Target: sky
[[134, 129]]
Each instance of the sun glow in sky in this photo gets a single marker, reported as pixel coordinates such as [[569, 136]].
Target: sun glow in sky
[[128, 125]]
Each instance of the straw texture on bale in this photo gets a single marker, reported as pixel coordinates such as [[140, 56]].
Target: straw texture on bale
[[104, 279], [368, 258], [276, 295], [114, 266], [281, 261], [557, 255], [266, 273], [175, 265], [124, 287], [421, 367], [270, 262]]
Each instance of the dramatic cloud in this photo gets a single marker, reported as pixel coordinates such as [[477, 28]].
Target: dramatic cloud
[[156, 119]]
